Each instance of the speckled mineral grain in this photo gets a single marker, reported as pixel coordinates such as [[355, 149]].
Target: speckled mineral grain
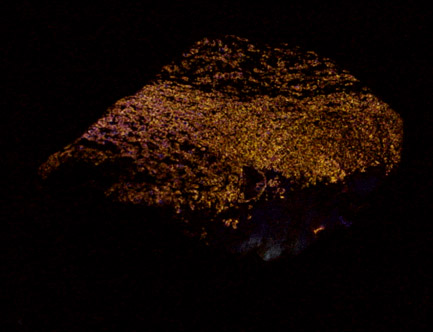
[[250, 147]]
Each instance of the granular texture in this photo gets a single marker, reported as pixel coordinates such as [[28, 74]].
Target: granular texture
[[232, 123]]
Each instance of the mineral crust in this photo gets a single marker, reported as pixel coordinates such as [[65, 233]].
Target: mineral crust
[[237, 139]]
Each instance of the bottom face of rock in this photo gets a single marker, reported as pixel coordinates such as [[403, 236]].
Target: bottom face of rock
[[286, 227]]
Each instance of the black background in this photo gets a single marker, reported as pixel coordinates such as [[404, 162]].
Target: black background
[[74, 263]]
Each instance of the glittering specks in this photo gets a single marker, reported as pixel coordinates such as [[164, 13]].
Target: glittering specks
[[227, 107]]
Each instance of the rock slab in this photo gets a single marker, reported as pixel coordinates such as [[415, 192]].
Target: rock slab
[[251, 147]]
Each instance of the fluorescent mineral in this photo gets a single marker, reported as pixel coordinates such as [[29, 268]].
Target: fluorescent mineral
[[234, 139]]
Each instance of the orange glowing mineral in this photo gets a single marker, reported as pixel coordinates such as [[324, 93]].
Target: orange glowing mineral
[[233, 124]]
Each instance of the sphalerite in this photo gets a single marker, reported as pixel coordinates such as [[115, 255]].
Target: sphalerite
[[250, 147]]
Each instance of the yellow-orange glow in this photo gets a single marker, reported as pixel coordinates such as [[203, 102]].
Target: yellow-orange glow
[[227, 105]]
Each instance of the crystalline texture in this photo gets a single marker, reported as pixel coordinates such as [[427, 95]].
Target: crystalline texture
[[236, 139]]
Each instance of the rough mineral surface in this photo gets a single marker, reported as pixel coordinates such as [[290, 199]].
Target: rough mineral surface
[[233, 138]]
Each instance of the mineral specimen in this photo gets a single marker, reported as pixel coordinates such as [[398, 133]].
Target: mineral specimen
[[250, 147]]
